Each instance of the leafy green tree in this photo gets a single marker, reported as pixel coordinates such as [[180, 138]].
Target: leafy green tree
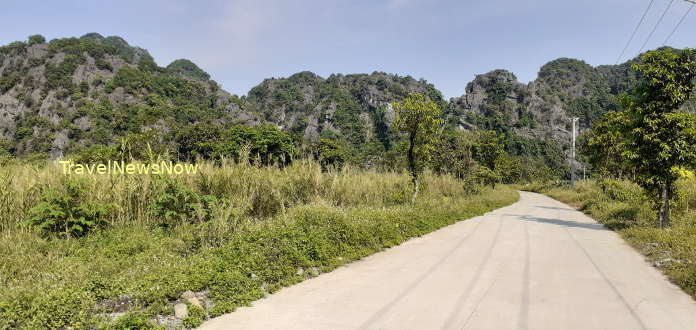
[[36, 39], [330, 153], [605, 145], [420, 120], [487, 148], [454, 153], [661, 138]]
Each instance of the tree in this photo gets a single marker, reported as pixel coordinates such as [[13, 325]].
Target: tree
[[36, 39], [330, 153], [419, 119], [659, 137], [605, 146], [487, 147], [454, 153]]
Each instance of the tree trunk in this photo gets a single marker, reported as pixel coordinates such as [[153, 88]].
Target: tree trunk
[[664, 207], [412, 166]]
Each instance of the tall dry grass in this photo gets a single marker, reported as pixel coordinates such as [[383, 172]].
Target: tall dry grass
[[241, 186], [267, 221]]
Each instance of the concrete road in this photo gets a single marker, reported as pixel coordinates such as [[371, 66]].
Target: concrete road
[[537, 264]]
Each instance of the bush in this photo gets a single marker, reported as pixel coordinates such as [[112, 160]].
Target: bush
[[66, 213], [266, 201], [131, 321], [330, 154], [178, 204], [36, 39], [98, 154], [195, 318]]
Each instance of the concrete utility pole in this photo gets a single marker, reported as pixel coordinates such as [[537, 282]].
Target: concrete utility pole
[[572, 152]]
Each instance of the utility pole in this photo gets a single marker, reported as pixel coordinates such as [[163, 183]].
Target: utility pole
[[572, 153]]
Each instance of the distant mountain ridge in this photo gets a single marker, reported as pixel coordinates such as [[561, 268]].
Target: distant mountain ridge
[[62, 96]]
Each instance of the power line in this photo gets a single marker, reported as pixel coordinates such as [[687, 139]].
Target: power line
[[635, 30], [680, 21], [656, 25]]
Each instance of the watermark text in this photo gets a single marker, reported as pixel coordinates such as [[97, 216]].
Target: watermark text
[[112, 167]]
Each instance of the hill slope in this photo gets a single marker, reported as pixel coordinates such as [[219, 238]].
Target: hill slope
[[65, 95]]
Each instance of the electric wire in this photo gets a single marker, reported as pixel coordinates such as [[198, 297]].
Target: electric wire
[[680, 22], [655, 27], [642, 18]]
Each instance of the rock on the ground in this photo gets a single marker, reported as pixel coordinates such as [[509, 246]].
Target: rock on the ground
[[181, 311]]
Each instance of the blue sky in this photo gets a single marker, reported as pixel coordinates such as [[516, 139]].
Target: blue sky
[[447, 42]]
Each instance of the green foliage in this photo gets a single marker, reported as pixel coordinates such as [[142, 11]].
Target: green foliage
[[36, 39], [180, 91], [419, 119], [13, 47], [487, 149], [482, 175], [187, 68], [98, 154], [148, 145], [659, 139], [267, 142], [77, 47], [544, 157], [131, 321], [195, 318], [9, 80], [66, 213], [60, 75], [605, 146], [329, 219], [623, 206], [178, 204], [330, 153], [454, 153]]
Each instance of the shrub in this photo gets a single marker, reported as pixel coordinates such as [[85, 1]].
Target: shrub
[[131, 321], [65, 212], [98, 154], [178, 204], [330, 154], [196, 316], [36, 39], [265, 201]]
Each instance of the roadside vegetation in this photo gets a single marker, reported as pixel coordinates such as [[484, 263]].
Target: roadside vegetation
[[642, 157], [623, 207], [118, 250]]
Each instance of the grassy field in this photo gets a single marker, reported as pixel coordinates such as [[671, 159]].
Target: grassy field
[[621, 206], [228, 234]]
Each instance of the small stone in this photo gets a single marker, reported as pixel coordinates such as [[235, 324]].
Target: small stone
[[665, 261], [195, 302], [253, 275], [181, 311], [300, 271]]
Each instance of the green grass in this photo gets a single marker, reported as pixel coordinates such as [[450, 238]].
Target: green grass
[[622, 206], [266, 224]]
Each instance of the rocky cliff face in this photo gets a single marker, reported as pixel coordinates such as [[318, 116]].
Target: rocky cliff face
[[542, 109], [67, 94], [355, 107], [63, 95]]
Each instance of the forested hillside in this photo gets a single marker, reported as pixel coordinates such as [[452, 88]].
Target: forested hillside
[[73, 95]]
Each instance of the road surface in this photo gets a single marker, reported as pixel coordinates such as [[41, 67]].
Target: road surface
[[536, 264]]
